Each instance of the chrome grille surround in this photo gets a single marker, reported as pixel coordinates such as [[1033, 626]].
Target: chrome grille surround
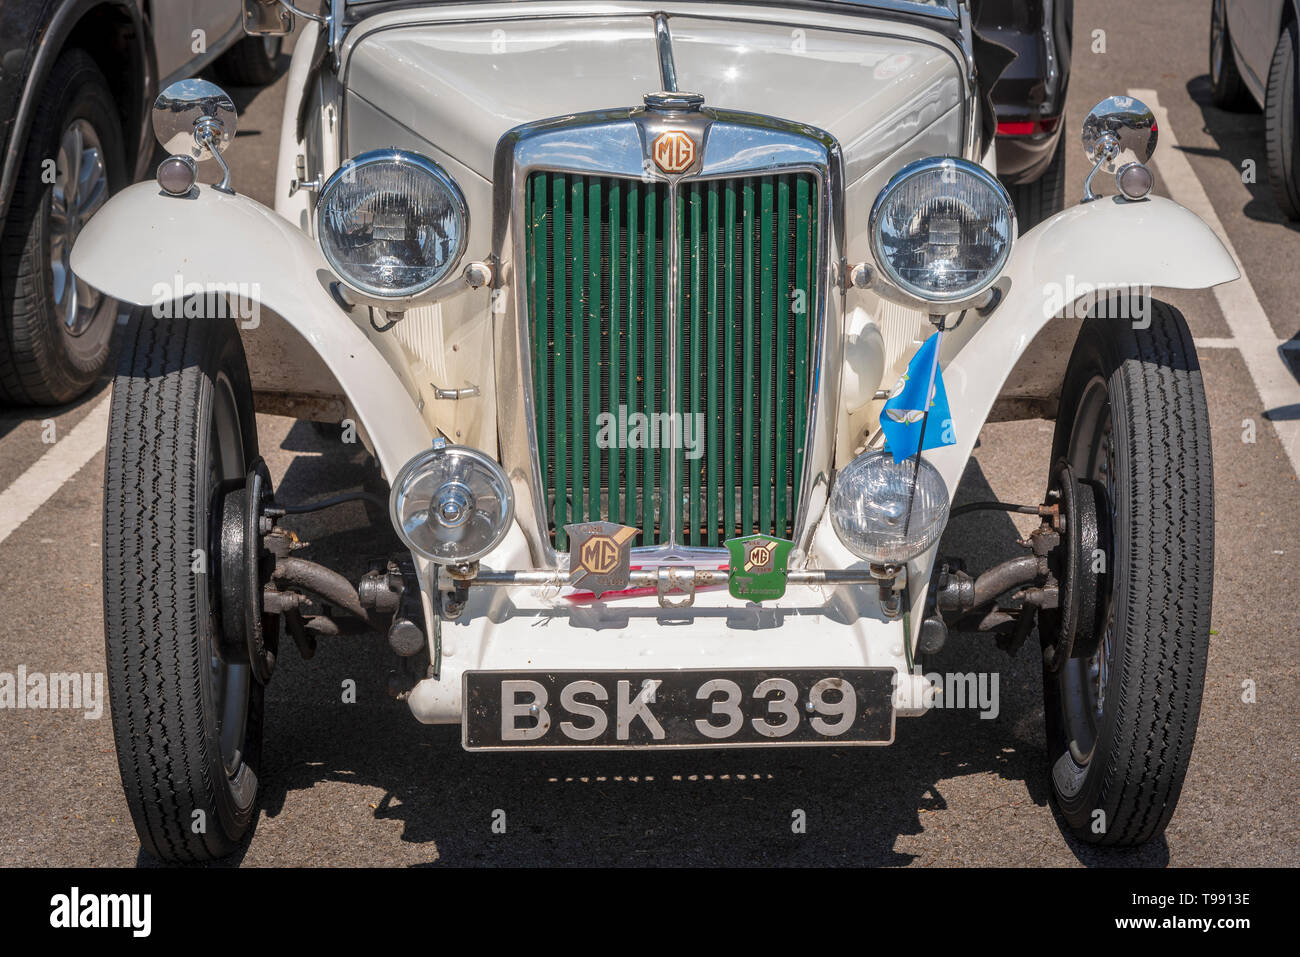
[[617, 143]]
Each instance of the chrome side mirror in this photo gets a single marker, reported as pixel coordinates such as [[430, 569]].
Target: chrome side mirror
[[267, 18], [1119, 136], [197, 119]]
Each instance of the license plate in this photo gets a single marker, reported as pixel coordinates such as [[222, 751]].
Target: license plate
[[574, 710]]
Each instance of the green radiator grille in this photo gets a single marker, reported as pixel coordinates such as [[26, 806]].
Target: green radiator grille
[[597, 259]]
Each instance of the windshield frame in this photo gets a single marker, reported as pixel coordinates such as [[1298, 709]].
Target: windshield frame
[[942, 10]]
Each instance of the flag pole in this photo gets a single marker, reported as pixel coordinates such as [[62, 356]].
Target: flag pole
[[925, 417]]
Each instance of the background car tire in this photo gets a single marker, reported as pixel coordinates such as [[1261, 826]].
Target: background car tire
[[251, 61], [42, 361], [1045, 196], [1227, 89], [1155, 610], [1282, 126], [181, 424]]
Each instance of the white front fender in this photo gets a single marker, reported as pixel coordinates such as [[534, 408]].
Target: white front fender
[[1107, 244], [143, 239], [1111, 243]]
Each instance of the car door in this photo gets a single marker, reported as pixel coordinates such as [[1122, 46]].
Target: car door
[[186, 31], [1253, 26]]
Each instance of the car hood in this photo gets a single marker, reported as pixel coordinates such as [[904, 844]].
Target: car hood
[[461, 85]]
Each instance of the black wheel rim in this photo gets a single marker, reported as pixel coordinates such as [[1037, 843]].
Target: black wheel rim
[[1082, 679], [229, 677]]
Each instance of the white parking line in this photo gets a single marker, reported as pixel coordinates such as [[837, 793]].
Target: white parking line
[[64, 459], [1252, 333]]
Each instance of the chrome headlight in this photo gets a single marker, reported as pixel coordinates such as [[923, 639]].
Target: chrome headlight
[[451, 504], [391, 223], [941, 230], [869, 508]]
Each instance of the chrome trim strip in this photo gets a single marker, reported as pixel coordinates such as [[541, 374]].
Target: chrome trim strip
[[664, 48], [668, 497], [616, 143]]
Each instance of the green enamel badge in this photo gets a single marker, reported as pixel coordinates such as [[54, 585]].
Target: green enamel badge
[[758, 565]]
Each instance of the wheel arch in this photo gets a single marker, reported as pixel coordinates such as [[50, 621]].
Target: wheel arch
[[1109, 244], [115, 34], [1290, 13], [148, 248]]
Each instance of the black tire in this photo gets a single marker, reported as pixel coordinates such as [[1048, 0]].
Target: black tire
[[1045, 196], [1280, 124], [1227, 89], [251, 61], [1134, 424], [180, 428], [44, 361]]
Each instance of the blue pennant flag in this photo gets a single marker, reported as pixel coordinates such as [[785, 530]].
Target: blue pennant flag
[[904, 414]]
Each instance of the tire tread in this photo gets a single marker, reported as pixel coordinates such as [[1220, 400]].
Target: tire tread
[[1162, 642], [150, 602]]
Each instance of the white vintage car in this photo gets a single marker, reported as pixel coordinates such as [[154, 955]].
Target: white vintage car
[[672, 327]]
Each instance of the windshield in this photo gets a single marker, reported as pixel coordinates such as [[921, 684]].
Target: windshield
[[934, 8]]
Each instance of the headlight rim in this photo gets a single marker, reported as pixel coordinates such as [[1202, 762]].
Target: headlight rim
[[400, 156], [915, 168], [413, 464]]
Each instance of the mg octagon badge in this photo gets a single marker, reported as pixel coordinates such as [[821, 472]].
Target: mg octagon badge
[[673, 151], [600, 555]]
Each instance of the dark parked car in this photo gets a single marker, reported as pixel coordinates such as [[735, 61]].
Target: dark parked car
[[1029, 99], [77, 78]]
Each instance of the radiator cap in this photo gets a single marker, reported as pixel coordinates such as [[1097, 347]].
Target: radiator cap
[[673, 102]]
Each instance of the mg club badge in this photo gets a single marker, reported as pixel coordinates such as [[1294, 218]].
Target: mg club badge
[[599, 555], [757, 567], [673, 151]]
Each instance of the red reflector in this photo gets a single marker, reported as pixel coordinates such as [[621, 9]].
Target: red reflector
[[1028, 127]]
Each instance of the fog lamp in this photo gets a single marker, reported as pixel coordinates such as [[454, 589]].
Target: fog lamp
[[877, 514], [451, 504]]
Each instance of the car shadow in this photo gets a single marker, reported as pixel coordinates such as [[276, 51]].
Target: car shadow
[[14, 414], [668, 808], [1240, 137]]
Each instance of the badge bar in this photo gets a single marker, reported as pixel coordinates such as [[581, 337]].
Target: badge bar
[[677, 583]]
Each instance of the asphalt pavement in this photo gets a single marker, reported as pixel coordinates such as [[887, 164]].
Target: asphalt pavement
[[363, 783]]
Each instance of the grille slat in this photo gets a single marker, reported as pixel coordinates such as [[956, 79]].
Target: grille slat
[[594, 340], [635, 257], [617, 330], [802, 307], [581, 427], [781, 479], [730, 431], [597, 274], [559, 397], [749, 438]]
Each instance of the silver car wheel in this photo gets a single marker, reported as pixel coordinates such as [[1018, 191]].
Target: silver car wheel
[[80, 189]]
